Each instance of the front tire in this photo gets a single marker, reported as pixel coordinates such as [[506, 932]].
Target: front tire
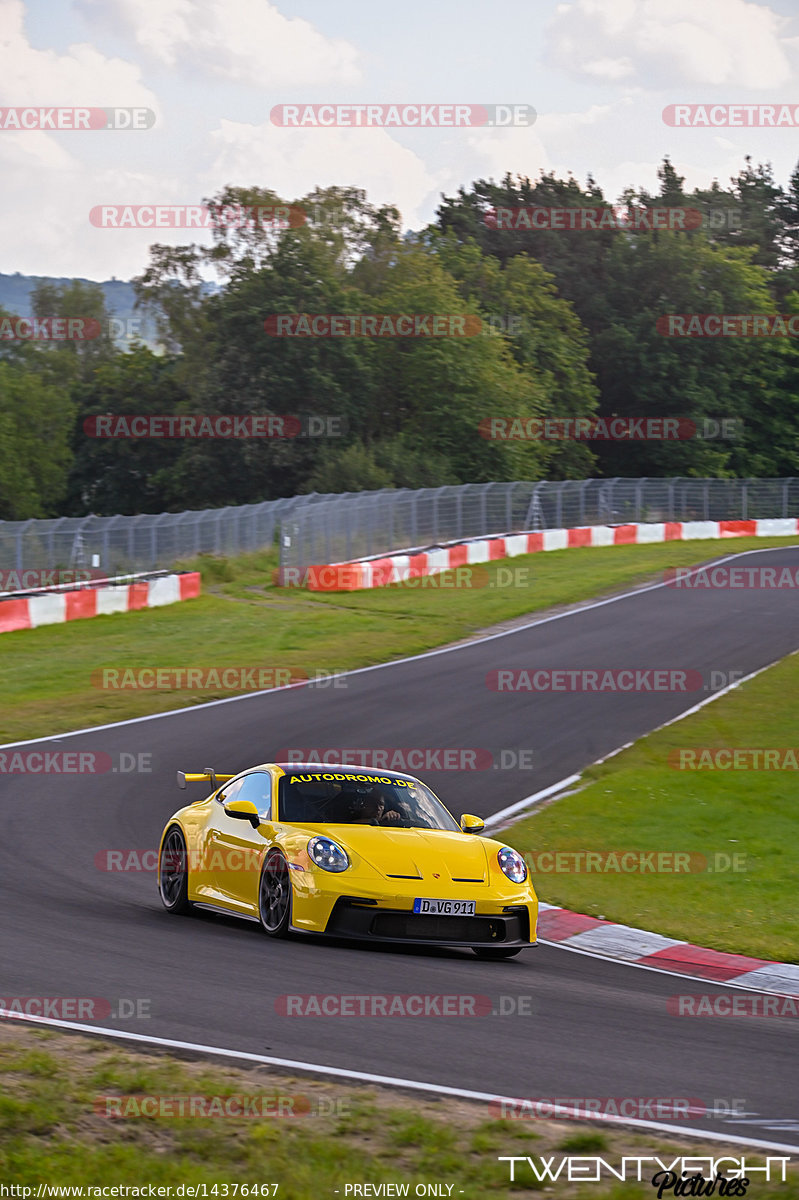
[[173, 872], [274, 896], [497, 951]]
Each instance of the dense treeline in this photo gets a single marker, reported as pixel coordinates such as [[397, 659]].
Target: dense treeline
[[569, 330]]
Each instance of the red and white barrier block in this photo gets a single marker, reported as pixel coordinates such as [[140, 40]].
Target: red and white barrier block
[[51, 608], [377, 572]]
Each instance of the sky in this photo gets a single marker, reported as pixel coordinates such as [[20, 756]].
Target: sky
[[598, 74]]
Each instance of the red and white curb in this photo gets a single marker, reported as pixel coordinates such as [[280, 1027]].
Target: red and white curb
[[397, 568], [606, 939], [52, 608]]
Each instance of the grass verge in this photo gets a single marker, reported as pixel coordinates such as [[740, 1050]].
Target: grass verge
[[242, 620], [740, 827], [51, 1132]]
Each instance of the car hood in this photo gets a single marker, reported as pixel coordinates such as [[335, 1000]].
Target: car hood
[[419, 853]]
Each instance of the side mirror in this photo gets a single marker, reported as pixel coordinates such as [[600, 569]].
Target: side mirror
[[243, 810], [470, 824]]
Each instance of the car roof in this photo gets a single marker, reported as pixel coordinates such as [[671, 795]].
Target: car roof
[[339, 768]]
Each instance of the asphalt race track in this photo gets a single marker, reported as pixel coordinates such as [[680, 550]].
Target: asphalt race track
[[597, 1029]]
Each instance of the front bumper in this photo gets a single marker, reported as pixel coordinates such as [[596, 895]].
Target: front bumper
[[353, 917]]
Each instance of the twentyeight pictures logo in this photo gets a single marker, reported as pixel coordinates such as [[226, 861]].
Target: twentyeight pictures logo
[[634, 1167], [393, 116]]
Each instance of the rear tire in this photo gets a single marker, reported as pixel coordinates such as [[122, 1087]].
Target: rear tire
[[497, 951], [173, 872], [274, 895]]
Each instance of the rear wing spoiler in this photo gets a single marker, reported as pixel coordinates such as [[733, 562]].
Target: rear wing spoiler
[[198, 777]]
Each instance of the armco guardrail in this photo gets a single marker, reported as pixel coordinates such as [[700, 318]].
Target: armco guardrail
[[367, 525]]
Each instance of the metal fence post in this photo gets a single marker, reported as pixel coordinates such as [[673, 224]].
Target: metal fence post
[[20, 535], [639, 490]]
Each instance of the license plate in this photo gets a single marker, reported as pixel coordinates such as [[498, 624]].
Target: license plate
[[445, 908]]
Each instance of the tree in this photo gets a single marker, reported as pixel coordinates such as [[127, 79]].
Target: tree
[[36, 418], [120, 474]]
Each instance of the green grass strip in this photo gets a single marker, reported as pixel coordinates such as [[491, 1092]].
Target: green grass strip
[[242, 620]]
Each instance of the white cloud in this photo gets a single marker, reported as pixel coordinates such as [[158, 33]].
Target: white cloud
[[564, 142], [712, 42], [47, 188], [81, 76], [51, 194], [294, 161], [248, 41]]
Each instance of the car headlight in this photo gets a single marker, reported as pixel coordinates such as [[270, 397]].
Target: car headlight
[[512, 864], [328, 854]]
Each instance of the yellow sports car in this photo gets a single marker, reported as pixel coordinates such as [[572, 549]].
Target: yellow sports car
[[349, 852]]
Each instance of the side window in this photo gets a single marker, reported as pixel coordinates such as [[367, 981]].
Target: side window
[[230, 792], [257, 788]]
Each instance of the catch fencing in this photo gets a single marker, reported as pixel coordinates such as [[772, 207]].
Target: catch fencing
[[354, 525], [369, 524], [121, 544]]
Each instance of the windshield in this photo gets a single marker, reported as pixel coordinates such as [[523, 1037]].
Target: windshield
[[332, 797]]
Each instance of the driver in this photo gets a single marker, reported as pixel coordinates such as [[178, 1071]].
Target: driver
[[369, 808]]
